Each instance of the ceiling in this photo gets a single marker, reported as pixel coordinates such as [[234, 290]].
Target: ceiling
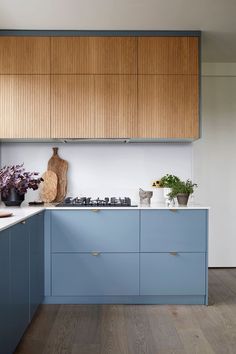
[[216, 18]]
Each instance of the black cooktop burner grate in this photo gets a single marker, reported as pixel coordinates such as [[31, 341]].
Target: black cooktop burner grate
[[89, 202]]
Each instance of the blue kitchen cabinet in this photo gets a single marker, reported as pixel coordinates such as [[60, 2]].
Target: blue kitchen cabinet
[[173, 254], [5, 306], [99, 230], [172, 274], [84, 274], [127, 256], [21, 278], [19, 270], [173, 230], [36, 255]]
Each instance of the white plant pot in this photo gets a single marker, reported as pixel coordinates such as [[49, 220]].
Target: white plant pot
[[166, 191]]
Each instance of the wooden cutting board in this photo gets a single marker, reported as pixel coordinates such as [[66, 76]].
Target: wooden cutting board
[[48, 188], [60, 167], [5, 214]]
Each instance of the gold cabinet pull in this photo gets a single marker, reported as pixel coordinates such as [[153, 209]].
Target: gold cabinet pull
[[23, 222], [173, 210], [173, 253], [95, 210], [95, 254]]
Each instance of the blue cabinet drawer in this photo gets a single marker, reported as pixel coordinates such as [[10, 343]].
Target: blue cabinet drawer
[[181, 230], [166, 274], [85, 274], [86, 231]]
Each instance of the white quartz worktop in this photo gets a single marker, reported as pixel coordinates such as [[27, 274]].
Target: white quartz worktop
[[152, 207], [19, 214], [24, 212]]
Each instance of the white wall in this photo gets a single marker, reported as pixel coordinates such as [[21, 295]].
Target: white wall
[[105, 169], [215, 160]]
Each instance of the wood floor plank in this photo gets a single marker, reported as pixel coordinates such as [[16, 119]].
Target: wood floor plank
[[139, 336], [139, 329], [163, 329]]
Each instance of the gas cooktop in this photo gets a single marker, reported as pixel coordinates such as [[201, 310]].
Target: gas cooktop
[[89, 202]]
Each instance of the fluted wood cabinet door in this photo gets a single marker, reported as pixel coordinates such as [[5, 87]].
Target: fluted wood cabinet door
[[168, 55], [94, 55], [24, 55], [24, 106], [168, 106], [72, 106], [115, 106]]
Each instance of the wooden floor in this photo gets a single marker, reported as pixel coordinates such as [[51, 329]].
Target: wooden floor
[[139, 329]]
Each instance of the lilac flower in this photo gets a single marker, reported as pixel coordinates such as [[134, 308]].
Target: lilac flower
[[14, 176]]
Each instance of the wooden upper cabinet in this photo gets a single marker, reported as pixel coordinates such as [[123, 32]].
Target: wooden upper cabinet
[[24, 55], [168, 55], [24, 106], [94, 106], [72, 106], [94, 55], [115, 106], [168, 107]]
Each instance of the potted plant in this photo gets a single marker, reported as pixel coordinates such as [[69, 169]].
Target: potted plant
[[14, 183], [182, 190], [167, 183]]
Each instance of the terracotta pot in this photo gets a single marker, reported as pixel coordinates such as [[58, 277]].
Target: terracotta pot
[[13, 198]]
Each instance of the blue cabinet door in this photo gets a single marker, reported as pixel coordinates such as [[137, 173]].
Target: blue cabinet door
[[5, 307], [86, 231], [36, 228], [85, 274], [19, 281], [167, 274], [165, 230]]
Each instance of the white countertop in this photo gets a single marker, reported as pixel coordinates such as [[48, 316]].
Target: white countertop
[[19, 214], [152, 207], [24, 212]]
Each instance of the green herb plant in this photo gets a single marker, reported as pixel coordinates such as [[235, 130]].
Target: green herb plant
[[182, 187], [168, 181]]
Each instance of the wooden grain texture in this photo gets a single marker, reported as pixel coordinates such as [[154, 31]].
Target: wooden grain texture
[[168, 106], [72, 106], [24, 55], [48, 188], [24, 106], [94, 55], [139, 329], [168, 55], [60, 167], [115, 106]]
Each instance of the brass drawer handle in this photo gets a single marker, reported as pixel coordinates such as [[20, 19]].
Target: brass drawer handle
[[95, 254], [173, 210], [173, 253], [95, 210], [23, 222]]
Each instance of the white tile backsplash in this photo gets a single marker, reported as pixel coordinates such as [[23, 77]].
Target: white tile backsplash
[[105, 169]]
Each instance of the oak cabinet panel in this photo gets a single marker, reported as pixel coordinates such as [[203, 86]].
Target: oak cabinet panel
[[168, 55], [94, 106], [94, 55], [72, 106], [168, 106], [24, 55], [99, 87], [24, 106], [115, 106]]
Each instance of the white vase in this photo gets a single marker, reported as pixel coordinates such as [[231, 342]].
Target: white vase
[[166, 191]]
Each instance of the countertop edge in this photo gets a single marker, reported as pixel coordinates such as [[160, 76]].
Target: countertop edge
[[23, 213]]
